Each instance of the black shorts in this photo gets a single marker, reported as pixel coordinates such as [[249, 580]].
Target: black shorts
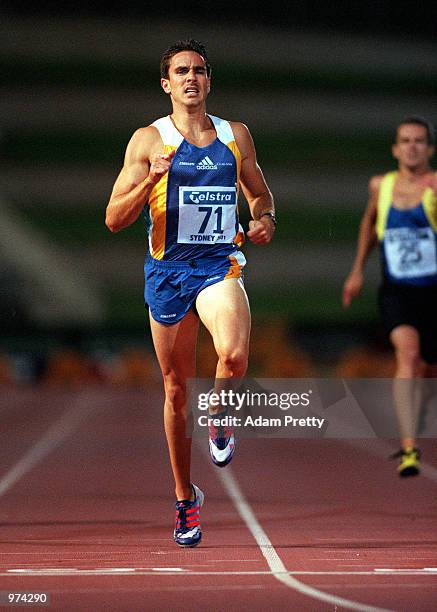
[[415, 306]]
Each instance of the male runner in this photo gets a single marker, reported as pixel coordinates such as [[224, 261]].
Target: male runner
[[187, 168], [402, 216]]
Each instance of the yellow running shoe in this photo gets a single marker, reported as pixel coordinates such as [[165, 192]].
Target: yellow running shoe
[[409, 464]]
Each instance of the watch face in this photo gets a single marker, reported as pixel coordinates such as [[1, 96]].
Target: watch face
[[271, 215]]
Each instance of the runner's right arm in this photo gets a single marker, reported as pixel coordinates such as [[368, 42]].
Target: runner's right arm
[[366, 241], [143, 167]]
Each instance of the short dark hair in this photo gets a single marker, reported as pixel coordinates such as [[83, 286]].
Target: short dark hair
[[418, 120], [183, 45]]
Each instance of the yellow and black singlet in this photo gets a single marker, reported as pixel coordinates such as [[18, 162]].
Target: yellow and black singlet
[[407, 237]]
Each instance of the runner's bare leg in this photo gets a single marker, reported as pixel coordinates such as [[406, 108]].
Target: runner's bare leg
[[175, 347]]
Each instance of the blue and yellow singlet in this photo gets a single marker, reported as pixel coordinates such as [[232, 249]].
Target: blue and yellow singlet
[[193, 208], [407, 237]]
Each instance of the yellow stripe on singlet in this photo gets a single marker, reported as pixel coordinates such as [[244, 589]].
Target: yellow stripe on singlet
[[429, 200], [236, 152], [232, 146], [385, 200], [158, 206]]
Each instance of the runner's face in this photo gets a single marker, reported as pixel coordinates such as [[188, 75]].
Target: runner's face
[[187, 81], [411, 148]]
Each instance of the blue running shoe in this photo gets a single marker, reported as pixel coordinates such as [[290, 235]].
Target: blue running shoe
[[187, 532], [221, 440]]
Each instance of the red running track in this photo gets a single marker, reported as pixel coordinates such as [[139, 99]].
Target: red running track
[[86, 514]]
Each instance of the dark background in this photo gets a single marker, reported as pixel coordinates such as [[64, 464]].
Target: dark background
[[414, 20], [321, 87]]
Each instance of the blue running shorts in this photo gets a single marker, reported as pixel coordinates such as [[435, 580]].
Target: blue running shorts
[[171, 287]]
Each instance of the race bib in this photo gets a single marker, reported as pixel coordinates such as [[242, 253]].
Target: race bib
[[410, 252], [207, 215]]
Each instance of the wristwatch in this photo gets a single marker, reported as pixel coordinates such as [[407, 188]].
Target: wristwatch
[[272, 217]]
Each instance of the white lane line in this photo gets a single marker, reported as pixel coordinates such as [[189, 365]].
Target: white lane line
[[168, 569], [147, 571], [67, 423], [274, 562], [75, 589], [402, 571]]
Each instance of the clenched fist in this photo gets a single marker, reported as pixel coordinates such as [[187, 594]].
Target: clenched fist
[[261, 230], [159, 165]]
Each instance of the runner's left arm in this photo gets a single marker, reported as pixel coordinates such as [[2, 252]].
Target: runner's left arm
[[255, 188]]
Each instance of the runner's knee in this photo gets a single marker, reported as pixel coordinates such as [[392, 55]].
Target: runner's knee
[[234, 361], [175, 393], [408, 358]]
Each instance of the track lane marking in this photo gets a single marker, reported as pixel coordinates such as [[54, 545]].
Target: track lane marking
[[267, 549], [61, 429], [151, 571]]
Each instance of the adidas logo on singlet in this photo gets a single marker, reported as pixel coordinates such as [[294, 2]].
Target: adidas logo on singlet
[[206, 164]]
